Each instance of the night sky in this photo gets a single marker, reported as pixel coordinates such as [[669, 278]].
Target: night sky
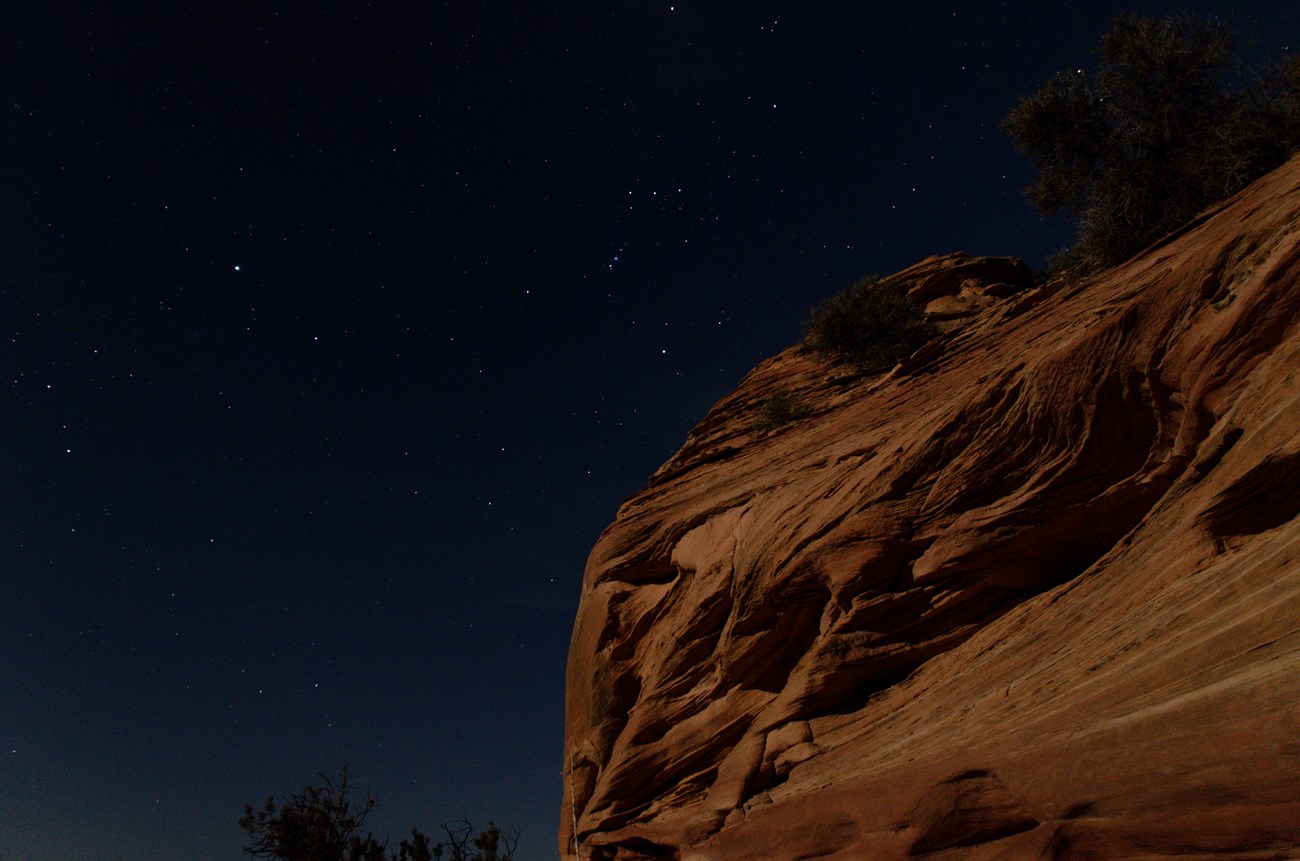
[[334, 333]]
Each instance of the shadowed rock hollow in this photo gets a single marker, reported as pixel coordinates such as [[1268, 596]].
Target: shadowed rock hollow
[[1032, 594]]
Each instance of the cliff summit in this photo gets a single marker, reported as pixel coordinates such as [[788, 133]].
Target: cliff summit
[[1030, 594]]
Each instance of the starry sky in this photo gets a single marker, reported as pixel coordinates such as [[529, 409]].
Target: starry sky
[[334, 333]]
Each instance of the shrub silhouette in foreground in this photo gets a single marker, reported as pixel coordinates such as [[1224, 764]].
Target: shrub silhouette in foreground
[[869, 324], [320, 823], [1172, 121]]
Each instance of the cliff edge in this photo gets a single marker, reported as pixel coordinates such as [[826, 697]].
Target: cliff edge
[[1033, 593]]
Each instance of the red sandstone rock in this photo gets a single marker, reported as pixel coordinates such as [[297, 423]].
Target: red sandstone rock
[[1034, 593]]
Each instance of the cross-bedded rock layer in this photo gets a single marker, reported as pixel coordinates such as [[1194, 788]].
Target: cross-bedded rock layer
[[1034, 593]]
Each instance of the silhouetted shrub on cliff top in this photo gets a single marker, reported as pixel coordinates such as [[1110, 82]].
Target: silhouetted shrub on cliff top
[[869, 324], [1172, 121]]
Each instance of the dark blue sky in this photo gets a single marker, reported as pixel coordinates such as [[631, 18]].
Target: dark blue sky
[[333, 335]]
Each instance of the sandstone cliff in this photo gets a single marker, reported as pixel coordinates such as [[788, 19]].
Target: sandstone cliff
[[1033, 593]]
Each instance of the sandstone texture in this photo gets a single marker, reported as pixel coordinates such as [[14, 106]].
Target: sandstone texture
[[1034, 593]]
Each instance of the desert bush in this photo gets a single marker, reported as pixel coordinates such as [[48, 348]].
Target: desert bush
[[780, 409], [869, 324], [1172, 120]]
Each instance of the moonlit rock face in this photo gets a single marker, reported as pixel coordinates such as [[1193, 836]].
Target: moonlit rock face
[[1031, 594]]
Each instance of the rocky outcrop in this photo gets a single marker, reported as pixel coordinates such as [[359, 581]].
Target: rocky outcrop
[[1033, 593], [955, 287]]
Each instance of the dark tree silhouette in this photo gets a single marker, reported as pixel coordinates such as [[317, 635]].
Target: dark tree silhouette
[[321, 823], [1172, 120]]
